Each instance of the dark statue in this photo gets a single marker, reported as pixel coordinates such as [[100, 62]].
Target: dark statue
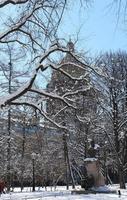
[[92, 151]]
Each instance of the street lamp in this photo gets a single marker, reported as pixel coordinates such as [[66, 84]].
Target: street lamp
[[33, 155]]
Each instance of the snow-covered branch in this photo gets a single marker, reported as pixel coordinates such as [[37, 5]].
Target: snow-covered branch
[[22, 90], [19, 24], [42, 66], [59, 68], [61, 110], [35, 106], [14, 2], [121, 124], [53, 96], [78, 91]]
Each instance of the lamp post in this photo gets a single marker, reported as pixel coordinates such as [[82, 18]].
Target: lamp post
[[33, 155]]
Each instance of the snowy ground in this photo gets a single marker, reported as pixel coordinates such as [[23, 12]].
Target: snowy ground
[[59, 194]]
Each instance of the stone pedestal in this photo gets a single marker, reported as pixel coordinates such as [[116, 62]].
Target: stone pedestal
[[93, 170], [94, 182]]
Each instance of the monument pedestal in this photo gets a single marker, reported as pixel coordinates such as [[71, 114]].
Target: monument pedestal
[[93, 170], [95, 181]]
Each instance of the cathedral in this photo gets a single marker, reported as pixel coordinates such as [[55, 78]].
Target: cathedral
[[82, 92]]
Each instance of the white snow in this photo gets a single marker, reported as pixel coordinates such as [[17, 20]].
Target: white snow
[[96, 146], [103, 189], [90, 159], [60, 194]]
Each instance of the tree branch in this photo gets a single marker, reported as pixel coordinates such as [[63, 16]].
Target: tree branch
[[19, 24], [14, 2], [53, 96], [30, 104]]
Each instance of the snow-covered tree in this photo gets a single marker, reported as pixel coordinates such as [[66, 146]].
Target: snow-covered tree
[[113, 104]]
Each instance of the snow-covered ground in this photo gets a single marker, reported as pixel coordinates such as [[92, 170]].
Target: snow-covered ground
[[59, 194]]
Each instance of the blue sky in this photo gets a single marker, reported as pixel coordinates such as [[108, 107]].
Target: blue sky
[[99, 31]]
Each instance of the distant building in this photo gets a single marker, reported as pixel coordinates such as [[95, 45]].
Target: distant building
[[60, 84]]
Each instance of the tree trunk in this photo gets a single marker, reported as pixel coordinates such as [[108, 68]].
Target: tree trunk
[[70, 171], [67, 163], [9, 152], [9, 131], [121, 177], [33, 181], [22, 161]]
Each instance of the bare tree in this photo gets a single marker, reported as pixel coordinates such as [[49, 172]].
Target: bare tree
[[114, 106]]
